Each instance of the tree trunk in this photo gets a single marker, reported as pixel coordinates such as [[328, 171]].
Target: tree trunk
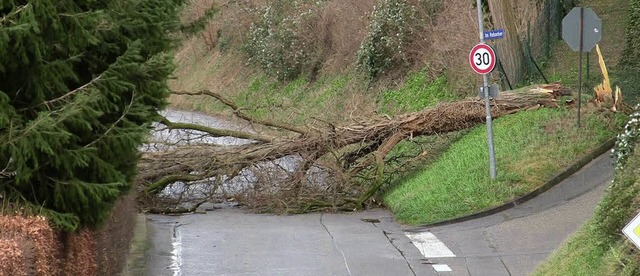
[[510, 51]]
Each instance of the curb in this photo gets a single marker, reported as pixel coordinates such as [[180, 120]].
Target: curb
[[137, 251], [566, 173]]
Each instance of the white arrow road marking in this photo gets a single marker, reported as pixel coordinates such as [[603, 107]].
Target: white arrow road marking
[[429, 245]]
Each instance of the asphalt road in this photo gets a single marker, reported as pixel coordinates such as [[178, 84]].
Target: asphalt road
[[512, 242]]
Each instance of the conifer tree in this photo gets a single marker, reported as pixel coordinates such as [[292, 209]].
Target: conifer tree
[[81, 81]]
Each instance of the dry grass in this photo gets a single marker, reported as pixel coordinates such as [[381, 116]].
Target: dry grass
[[450, 38], [341, 27], [336, 30]]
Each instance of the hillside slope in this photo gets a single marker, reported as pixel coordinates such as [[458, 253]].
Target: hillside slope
[[335, 58]]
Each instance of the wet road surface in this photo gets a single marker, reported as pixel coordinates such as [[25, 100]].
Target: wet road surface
[[234, 242]]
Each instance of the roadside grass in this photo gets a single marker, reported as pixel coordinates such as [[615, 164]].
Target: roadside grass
[[531, 147], [417, 93], [410, 156], [579, 256]]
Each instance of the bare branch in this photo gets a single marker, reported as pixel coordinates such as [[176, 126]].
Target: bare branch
[[216, 132], [243, 116]]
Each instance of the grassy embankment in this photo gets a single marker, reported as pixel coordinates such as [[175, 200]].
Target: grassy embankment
[[530, 146]]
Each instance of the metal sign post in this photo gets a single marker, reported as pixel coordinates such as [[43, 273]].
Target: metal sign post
[[581, 29], [492, 156]]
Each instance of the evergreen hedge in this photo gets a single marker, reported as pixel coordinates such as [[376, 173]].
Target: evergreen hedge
[[80, 84]]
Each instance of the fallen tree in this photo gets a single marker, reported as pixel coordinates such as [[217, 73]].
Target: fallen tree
[[327, 166]]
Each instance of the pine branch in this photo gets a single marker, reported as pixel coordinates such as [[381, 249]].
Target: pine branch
[[124, 114], [17, 11], [241, 115], [70, 93], [5, 173]]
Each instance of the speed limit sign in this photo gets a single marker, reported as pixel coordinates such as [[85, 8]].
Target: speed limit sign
[[482, 59]]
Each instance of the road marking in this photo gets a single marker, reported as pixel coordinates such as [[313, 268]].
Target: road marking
[[176, 254], [442, 268], [429, 245]]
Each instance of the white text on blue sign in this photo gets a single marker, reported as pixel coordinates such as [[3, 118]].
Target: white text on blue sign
[[494, 34]]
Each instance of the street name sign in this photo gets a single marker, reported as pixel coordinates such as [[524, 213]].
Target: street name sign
[[494, 34], [482, 59]]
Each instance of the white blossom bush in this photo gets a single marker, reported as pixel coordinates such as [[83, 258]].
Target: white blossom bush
[[626, 141], [389, 30], [275, 41]]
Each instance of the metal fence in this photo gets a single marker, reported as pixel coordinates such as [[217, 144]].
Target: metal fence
[[542, 33], [539, 36]]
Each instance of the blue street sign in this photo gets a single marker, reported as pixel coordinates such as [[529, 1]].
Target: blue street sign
[[494, 34]]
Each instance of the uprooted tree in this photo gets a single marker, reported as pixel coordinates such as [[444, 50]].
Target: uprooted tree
[[319, 165]]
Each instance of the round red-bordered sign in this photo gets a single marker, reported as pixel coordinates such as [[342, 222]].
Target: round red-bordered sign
[[482, 59]]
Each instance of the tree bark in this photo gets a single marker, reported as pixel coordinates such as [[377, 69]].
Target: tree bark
[[509, 49]]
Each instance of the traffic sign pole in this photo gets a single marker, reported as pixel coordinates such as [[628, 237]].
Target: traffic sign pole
[[485, 79], [581, 30]]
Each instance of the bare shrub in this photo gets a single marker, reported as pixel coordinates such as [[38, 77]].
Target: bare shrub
[[390, 28], [30, 246], [339, 31], [445, 44]]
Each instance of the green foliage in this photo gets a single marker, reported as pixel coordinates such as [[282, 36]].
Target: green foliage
[[458, 182], [627, 141], [631, 52], [80, 83], [276, 41], [417, 93], [621, 200], [628, 77], [389, 31]]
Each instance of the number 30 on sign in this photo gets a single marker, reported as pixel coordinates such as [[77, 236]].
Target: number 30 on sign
[[482, 59]]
